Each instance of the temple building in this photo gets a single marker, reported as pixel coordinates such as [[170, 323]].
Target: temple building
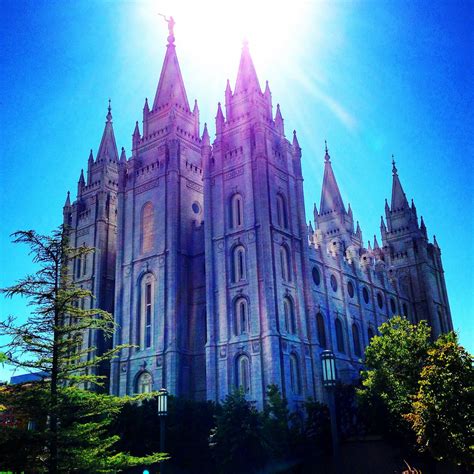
[[206, 258]]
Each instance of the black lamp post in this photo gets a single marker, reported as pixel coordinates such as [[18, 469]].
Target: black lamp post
[[162, 413], [328, 360]]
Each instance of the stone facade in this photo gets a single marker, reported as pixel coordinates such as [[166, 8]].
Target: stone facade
[[206, 258]]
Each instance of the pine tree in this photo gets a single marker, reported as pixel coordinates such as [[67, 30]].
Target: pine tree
[[73, 423]]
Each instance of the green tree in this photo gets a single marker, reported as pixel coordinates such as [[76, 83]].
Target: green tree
[[394, 361], [51, 341], [236, 441], [442, 412]]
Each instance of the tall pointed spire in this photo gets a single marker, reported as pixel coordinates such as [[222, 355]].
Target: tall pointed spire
[[136, 136], [205, 140], [108, 147], [247, 76], [68, 200], [399, 200], [331, 199], [171, 88], [219, 119]]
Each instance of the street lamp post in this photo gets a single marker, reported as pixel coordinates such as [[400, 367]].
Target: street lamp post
[[328, 360], [162, 413]]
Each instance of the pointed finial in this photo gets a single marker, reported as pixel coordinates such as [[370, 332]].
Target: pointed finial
[[146, 107], [435, 242], [68, 200], [81, 177], [295, 140], [394, 168], [91, 157], [315, 211], [376, 244], [205, 141], [123, 157], [326, 156], [220, 115], [267, 88], [195, 108], [382, 223], [369, 245], [349, 209], [109, 112]]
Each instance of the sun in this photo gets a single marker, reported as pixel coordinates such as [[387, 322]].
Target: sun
[[216, 29]]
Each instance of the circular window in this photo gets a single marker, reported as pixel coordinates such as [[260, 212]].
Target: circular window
[[365, 294], [393, 306], [350, 289], [333, 283], [316, 276], [380, 300], [196, 207]]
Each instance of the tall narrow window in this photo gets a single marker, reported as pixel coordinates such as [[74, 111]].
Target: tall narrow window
[[78, 266], [356, 340], [295, 379], [144, 383], [441, 320], [236, 211], [84, 264], [282, 217], [285, 264], [243, 374], [147, 227], [289, 312], [339, 336], [238, 264], [370, 334], [146, 311], [241, 316], [321, 330]]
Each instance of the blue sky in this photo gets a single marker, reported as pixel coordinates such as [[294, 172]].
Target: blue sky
[[372, 77]]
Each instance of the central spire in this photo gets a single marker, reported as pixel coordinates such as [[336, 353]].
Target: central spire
[[331, 199], [399, 200], [171, 90], [247, 76], [108, 146]]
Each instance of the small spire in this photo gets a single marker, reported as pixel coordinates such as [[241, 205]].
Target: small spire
[[279, 122], [205, 141], [91, 157], [423, 226], [136, 135], [358, 231], [310, 228], [349, 209], [295, 140], [219, 119], [146, 107], [81, 177], [109, 112], [68, 200], [369, 246], [123, 157], [386, 205], [435, 242], [267, 88], [228, 90], [326, 155], [394, 168], [376, 244], [195, 108], [382, 224]]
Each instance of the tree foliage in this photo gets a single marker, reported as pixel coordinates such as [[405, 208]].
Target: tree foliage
[[442, 412], [236, 440], [394, 361], [71, 423]]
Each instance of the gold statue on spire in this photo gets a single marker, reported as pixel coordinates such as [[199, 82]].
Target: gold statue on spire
[[171, 24]]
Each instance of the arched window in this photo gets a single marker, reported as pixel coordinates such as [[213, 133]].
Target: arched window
[[321, 330], [333, 283], [147, 226], [365, 294], [380, 300], [295, 378], [356, 340], [282, 217], [339, 336], [405, 310], [144, 383], [316, 276], [289, 312], [393, 306], [243, 374], [241, 316], [236, 211], [370, 334], [238, 264], [285, 264], [350, 289], [147, 292]]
